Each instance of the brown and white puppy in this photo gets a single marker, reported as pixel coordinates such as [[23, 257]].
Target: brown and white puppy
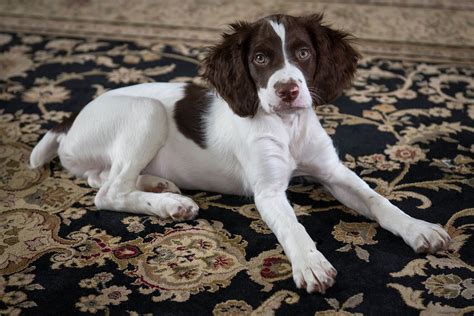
[[248, 134]]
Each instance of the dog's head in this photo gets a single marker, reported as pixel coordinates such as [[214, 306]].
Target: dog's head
[[280, 63]]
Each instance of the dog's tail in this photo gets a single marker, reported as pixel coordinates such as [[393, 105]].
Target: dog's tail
[[45, 150], [48, 146]]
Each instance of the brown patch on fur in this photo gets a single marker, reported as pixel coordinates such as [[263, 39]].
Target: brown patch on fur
[[189, 113], [336, 59], [226, 69], [159, 188], [66, 124]]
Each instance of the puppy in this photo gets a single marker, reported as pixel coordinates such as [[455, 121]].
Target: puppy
[[248, 134]]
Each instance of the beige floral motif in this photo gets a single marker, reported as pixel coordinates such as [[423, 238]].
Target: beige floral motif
[[387, 99], [87, 200], [439, 112], [31, 128], [268, 307], [183, 261], [126, 75], [269, 267], [327, 109], [355, 233], [405, 153], [338, 310], [103, 277], [88, 283], [46, 94], [14, 172], [427, 90], [384, 108], [115, 294], [13, 65], [21, 279], [134, 224], [260, 227], [28, 118], [89, 46], [360, 98], [405, 94], [72, 213], [461, 164], [376, 162], [5, 118], [35, 233], [374, 115], [54, 195], [10, 132], [199, 260], [435, 98], [449, 286], [131, 59], [14, 288], [14, 297], [232, 308], [55, 116], [454, 105], [90, 304]]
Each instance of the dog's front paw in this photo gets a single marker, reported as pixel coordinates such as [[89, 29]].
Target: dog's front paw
[[426, 237], [313, 272]]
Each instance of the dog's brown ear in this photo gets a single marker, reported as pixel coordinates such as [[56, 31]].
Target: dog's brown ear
[[336, 59], [226, 68]]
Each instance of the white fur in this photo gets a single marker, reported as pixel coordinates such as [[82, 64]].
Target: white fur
[[127, 138]]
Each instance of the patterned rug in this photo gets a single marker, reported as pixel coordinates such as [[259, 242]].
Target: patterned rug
[[406, 127]]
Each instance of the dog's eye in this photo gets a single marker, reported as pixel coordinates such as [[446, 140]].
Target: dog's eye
[[303, 53], [260, 59]]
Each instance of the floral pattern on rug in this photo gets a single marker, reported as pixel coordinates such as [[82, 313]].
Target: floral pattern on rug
[[405, 127]]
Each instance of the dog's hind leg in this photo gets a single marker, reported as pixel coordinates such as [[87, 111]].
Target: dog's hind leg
[[146, 182], [142, 135]]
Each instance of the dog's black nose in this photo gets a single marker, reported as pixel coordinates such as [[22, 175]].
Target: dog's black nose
[[287, 91]]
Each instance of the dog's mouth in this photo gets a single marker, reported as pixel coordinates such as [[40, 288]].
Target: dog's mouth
[[288, 107]]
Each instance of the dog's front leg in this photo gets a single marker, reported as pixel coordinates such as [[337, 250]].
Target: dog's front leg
[[268, 169], [311, 270], [353, 192]]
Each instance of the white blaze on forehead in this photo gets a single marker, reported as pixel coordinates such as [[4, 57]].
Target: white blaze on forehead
[[279, 29], [267, 96]]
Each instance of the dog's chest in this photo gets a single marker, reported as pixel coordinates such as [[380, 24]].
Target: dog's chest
[[296, 126]]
